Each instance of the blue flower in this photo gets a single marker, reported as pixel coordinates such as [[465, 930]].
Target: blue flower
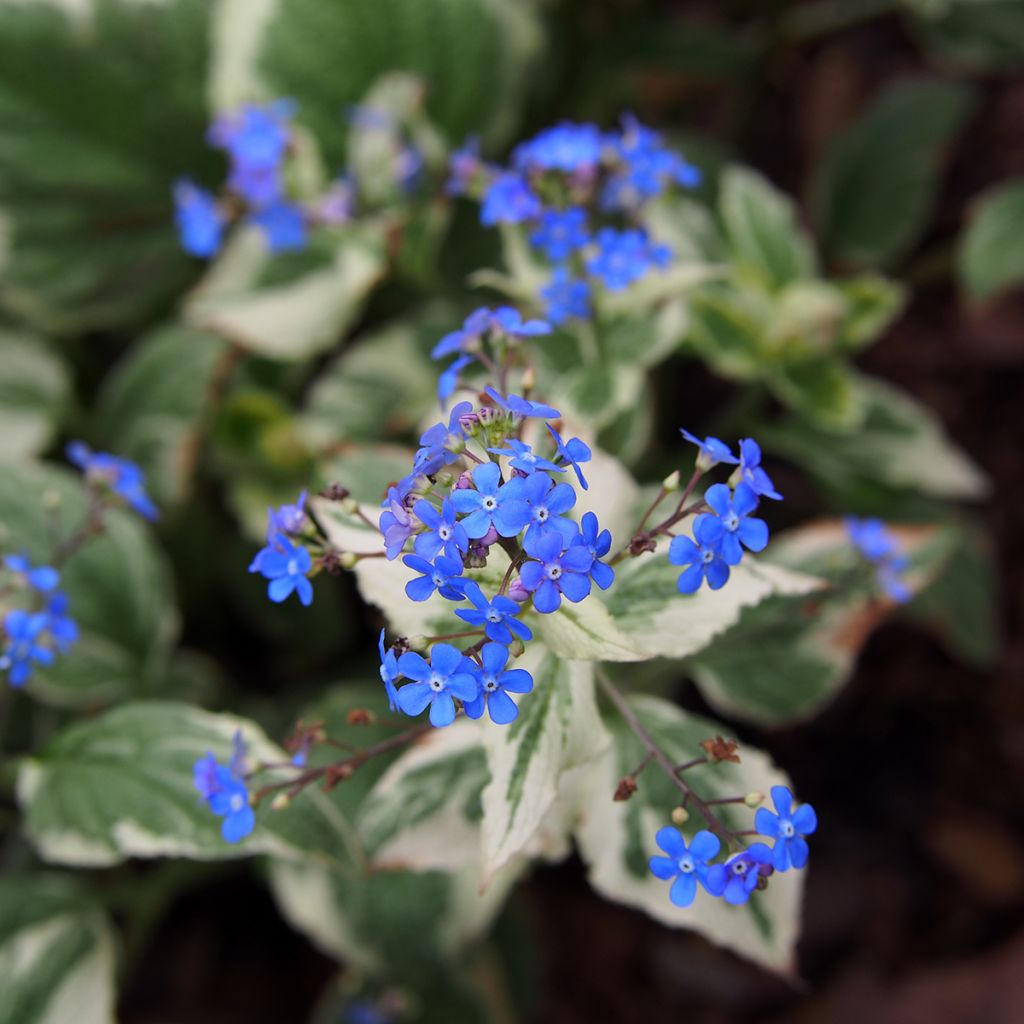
[[522, 457], [647, 168], [509, 320], [490, 503], [449, 379], [598, 543], [442, 443], [284, 226], [463, 340], [288, 519], [448, 674], [704, 559], [443, 534], [556, 572], [573, 452], [388, 672], [751, 472], [199, 219], [444, 576], [874, 541], [731, 525], [787, 828], [548, 504], [509, 200], [286, 566], [566, 147], [711, 451], [25, 647], [737, 878], [496, 683], [624, 257], [256, 140], [226, 795], [43, 578], [566, 297], [124, 478], [522, 407], [686, 865], [463, 166], [497, 616], [396, 524], [561, 232], [61, 626]]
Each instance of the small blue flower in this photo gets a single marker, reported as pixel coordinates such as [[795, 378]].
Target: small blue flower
[[442, 444], [256, 140], [199, 219], [43, 578], [443, 534], [449, 379], [284, 226], [463, 166], [598, 543], [285, 565], [711, 451], [566, 147], [623, 257], [444, 576], [704, 559], [686, 865], [573, 452], [466, 337], [288, 519], [561, 232], [61, 626], [508, 320], [226, 795], [647, 168], [788, 828], [737, 878], [548, 504], [556, 572], [509, 200], [522, 407], [874, 541], [490, 503], [496, 683], [396, 524], [752, 474], [731, 525], [25, 647], [388, 672], [124, 478], [522, 457], [447, 675], [497, 616], [566, 297]]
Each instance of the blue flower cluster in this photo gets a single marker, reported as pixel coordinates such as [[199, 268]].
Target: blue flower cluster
[[284, 563], [879, 547], [572, 185], [686, 865], [721, 534], [115, 475], [224, 789], [33, 636], [498, 491]]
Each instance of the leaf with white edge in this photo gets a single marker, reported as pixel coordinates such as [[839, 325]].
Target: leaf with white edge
[[35, 391], [900, 443], [992, 249], [119, 588], [762, 230], [121, 786], [616, 839], [56, 953], [646, 605], [289, 307], [586, 632], [558, 728]]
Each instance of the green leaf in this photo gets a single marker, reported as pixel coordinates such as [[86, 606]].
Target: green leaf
[[88, 157], [288, 309], [980, 37], [119, 587], [824, 390], [558, 728], [121, 786], [872, 304], [878, 179], [992, 250], [56, 953], [727, 330], [35, 392], [762, 232], [151, 406], [615, 839]]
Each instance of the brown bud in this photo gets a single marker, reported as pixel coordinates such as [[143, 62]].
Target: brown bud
[[338, 773], [360, 716], [334, 492], [720, 749], [625, 789]]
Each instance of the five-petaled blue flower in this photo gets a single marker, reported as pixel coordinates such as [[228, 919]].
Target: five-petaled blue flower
[[598, 543], [283, 225], [444, 533], [573, 451], [396, 524], [124, 478], [731, 525], [285, 565], [496, 683], [566, 297], [444, 576], [509, 200], [556, 572], [548, 503], [226, 795], [388, 672], [448, 674], [522, 457], [43, 578], [623, 257], [561, 232], [200, 220], [737, 878], [497, 616], [490, 503], [256, 139], [25, 647], [788, 828], [711, 451], [752, 474], [879, 546], [704, 559], [687, 865], [288, 519]]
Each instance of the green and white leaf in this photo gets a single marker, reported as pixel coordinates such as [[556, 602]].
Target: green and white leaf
[[35, 392], [56, 953], [615, 839], [992, 249], [121, 786]]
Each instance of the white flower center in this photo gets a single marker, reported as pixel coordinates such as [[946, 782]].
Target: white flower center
[[237, 802], [554, 572], [436, 684], [786, 829], [493, 615], [686, 865], [444, 533], [293, 568], [732, 521], [707, 556], [490, 504], [490, 684]]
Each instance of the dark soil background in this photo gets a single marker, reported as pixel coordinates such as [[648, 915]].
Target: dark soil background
[[914, 905]]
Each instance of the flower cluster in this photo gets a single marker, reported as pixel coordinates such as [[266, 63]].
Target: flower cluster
[[878, 546], [686, 865], [36, 634], [224, 789], [581, 193]]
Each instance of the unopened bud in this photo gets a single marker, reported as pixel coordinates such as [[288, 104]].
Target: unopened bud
[[518, 592], [529, 378], [517, 648], [347, 560], [671, 482], [754, 799], [417, 643], [360, 716], [680, 816], [334, 492], [51, 500], [625, 789], [464, 483], [349, 505], [280, 802]]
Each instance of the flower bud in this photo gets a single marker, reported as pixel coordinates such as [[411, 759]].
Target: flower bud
[[518, 592], [529, 378], [680, 816], [347, 560], [671, 482], [280, 802], [465, 482], [417, 643], [349, 505], [754, 799], [517, 648], [489, 538], [625, 789]]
